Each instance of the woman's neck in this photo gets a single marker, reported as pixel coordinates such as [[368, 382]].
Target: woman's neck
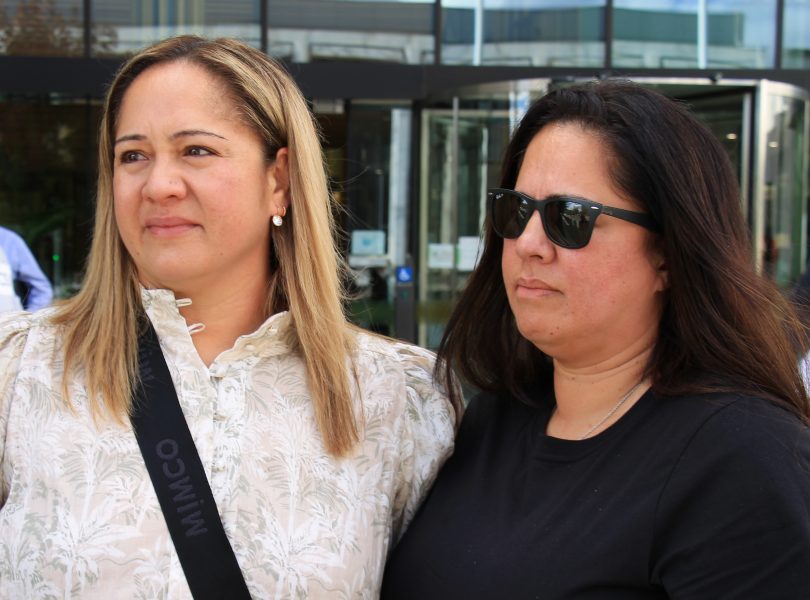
[[226, 314], [590, 398]]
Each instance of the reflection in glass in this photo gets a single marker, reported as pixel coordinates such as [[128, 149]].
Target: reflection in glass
[[125, 26], [366, 194], [725, 114], [48, 150], [523, 33], [41, 28], [706, 34], [796, 32], [524, 211], [382, 30], [572, 214], [459, 157], [785, 183]]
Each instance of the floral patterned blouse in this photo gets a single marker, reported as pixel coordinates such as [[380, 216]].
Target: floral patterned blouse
[[79, 517]]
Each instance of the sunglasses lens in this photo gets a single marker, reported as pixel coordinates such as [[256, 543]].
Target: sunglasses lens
[[510, 213], [568, 223]]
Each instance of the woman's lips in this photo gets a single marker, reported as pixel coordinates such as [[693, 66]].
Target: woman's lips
[[533, 288], [169, 226]]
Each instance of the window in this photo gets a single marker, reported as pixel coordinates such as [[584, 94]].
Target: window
[[529, 33], [42, 28], [393, 31], [796, 32], [125, 26], [707, 34]]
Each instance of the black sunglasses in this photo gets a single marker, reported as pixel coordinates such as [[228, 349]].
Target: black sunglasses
[[567, 220]]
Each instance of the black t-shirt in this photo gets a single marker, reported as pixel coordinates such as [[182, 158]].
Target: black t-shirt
[[689, 497]]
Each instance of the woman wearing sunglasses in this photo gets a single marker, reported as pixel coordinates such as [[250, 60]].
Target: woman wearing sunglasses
[[642, 429]]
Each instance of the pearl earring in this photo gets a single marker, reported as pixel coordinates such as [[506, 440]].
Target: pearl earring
[[277, 220]]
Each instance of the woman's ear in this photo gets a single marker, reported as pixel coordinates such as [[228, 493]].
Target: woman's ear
[[278, 180], [662, 272], [663, 276], [658, 262]]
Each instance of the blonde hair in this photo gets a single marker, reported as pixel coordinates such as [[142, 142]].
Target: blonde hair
[[102, 321]]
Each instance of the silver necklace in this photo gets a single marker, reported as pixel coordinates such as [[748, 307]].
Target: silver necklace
[[612, 411]]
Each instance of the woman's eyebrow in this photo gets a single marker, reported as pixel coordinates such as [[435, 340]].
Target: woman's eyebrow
[[190, 132], [137, 137]]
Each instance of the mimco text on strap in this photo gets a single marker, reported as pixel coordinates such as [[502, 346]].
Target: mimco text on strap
[[186, 502], [179, 480]]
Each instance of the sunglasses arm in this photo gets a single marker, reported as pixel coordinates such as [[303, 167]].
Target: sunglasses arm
[[642, 219]]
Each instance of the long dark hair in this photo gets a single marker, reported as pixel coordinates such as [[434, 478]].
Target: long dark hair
[[723, 328]]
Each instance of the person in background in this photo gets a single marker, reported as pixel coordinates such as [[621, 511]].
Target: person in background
[[213, 229], [9, 299], [642, 430], [18, 263]]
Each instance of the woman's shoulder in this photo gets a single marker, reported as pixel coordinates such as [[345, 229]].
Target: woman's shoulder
[[24, 337], [502, 415], [394, 356], [20, 329], [736, 415], [754, 424], [14, 328], [394, 366], [375, 343], [739, 433], [16, 325]]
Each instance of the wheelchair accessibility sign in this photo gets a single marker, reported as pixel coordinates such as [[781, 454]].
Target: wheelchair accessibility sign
[[404, 274]]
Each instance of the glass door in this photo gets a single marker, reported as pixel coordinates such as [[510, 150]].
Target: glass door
[[763, 125], [461, 151], [729, 116], [780, 182]]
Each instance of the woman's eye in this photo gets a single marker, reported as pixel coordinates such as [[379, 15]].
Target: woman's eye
[[131, 156], [198, 151]]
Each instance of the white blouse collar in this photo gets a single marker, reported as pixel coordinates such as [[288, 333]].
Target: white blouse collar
[[272, 336]]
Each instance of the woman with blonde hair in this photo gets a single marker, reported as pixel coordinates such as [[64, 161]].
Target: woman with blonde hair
[[315, 442]]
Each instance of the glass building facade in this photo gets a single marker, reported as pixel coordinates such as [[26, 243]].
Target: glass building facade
[[732, 34], [416, 99]]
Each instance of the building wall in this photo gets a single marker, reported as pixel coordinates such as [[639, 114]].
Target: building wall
[[358, 62]]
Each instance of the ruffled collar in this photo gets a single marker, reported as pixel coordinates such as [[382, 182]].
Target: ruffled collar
[[163, 309]]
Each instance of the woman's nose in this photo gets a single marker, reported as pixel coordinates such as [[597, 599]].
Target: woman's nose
[[533, 241], [164, 181]]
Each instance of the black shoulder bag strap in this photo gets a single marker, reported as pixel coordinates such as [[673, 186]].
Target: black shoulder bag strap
[[179, 480]]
